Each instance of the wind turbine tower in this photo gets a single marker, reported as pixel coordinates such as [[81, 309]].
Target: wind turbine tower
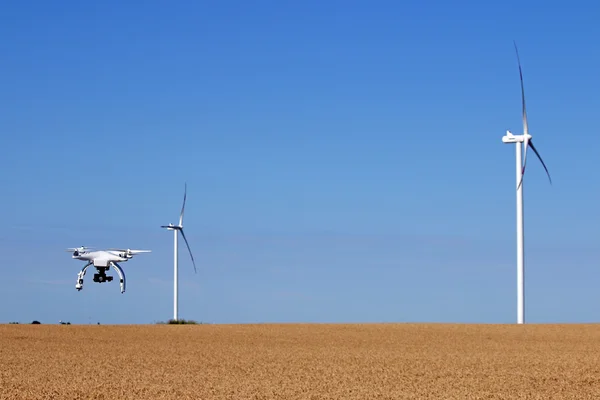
[[522, 142], [176, 230]]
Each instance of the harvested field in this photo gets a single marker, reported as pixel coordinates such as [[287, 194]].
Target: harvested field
[[374, 361]]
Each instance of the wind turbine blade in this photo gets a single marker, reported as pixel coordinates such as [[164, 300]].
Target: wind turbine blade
[[183, 207], [524, 112], [190, 250], [542, 161]]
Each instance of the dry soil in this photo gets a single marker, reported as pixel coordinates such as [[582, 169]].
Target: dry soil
[[374, 361]]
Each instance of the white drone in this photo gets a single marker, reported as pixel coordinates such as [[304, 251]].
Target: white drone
[[102, 260]]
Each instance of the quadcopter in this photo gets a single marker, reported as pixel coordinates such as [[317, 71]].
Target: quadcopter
[[102, 260]]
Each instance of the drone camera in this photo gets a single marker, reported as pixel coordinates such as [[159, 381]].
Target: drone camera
[[102, 278]]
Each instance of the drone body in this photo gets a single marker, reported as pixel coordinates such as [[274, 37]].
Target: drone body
[[102, 260]]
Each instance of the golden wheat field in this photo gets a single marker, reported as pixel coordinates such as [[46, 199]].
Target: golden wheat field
[[312, 361]]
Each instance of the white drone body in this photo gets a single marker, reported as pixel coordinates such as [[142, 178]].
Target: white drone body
[[102, 260]]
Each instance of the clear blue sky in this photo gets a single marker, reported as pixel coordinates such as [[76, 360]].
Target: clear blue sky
[[344, 159]]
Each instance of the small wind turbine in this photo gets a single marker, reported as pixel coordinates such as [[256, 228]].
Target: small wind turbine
[[176, 229], [525, 141]]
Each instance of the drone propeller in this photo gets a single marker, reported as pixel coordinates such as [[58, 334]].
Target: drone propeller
[[131, 253], [78, 249]]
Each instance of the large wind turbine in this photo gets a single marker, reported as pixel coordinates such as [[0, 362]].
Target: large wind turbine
[[525, 141], [176, 229]]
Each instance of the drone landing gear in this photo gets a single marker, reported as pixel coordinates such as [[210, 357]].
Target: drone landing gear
[[80, 276], [121, 274], [101, 277]]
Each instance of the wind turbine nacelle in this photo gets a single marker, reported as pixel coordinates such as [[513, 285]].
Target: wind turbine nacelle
[[510, 138]]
